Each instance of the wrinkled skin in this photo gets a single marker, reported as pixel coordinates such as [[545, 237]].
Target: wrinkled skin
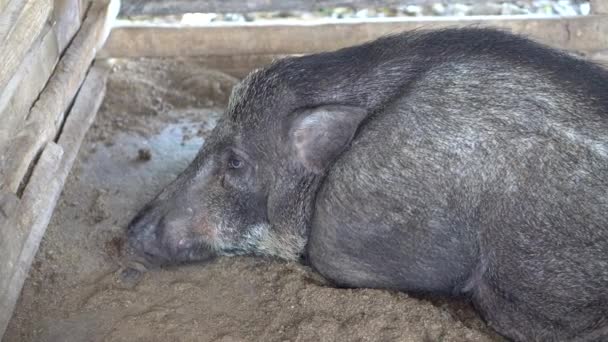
[[459, 162]]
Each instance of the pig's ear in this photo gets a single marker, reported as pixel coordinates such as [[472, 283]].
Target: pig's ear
[[319, 135]]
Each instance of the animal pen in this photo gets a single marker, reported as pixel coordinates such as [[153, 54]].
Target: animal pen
[[167, 82]]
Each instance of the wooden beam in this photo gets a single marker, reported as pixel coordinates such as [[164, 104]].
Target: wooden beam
[[66, 13], [21, 23], [587, 33], [163, 7], [9, 15], [599, 6], [21, 234], [8, 203], [83, 113], [24, 87], [237, 66], [17, 97], [47, 115], [84, 6], [3, 4], [26, 229]]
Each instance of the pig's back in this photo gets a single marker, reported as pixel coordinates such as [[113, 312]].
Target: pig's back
[[473, 156]]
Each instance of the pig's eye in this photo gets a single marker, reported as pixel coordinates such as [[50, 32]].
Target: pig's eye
[[235, 163]]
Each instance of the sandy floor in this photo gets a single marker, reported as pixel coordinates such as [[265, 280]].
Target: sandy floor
[[154, 118]]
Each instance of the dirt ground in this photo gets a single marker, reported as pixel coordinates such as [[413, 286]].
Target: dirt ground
[[155, 117]]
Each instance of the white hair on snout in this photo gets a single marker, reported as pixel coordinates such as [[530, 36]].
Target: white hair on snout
[[259, 239]]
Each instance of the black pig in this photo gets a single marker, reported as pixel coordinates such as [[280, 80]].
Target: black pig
[[466, 162]]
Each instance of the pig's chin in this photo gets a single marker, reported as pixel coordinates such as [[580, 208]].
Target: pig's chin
[[194, 254]]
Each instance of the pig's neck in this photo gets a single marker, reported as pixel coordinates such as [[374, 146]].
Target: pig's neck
[[293, 208]]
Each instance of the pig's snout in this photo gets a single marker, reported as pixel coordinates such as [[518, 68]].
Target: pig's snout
[[164, 235], [145, 236]]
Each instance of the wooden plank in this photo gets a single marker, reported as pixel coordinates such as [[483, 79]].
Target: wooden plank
[[21, 24], [163, 7], [23, 89], [9, 15], [237, 66], [587, 33], [21, 236], [84, 6], [8, 203], [83, 113], [3, 4], [27, 229], [65, 14], [47, 115], [599, 6], [108, 24]]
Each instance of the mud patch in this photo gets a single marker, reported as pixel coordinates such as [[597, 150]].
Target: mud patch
[[154, 119]]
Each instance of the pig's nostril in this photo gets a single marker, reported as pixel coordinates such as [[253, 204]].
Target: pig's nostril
[[150, 257], [145, 215], [143, 223], [145, 235], [134, 226]]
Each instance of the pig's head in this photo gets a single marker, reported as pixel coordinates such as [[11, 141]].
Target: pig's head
[[251, 188]]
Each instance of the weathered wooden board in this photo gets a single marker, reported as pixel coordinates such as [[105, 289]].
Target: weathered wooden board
[[83, 112], [599, 6], [586, 33], [111, 13], [65, 14], [163, 7], [238, 65], [46, 116], [23, 88], [21, 23], [21, 233], [84, 5], [8, 17], [3, 4]]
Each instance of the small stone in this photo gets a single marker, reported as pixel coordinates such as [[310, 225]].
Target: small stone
[[130, 276], [144, 154]]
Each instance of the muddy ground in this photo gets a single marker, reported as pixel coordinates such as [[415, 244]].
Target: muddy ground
[[155, 117]]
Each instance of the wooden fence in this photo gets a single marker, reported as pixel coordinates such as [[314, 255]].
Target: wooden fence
[[47, 47]]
